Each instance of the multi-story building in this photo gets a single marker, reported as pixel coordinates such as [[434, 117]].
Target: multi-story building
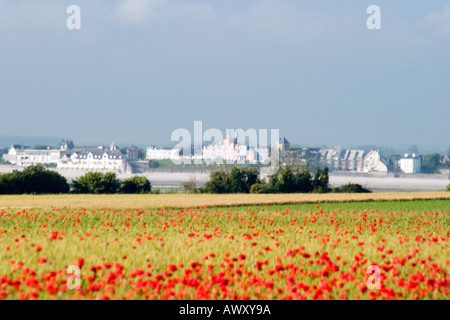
[[154, 153], [21, 156], [230, 151], [66, 145], [11, 155], [94, 159], [226, 150], [283, 145], [336, 159], [133, 153], [374, 162], [410, 163], [34, 157]]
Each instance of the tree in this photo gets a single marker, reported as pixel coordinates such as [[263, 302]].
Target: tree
[[273, 185], [1, 157], [320, 180], [291, 179], [89, 183], [33, 180], [123, 150], [39, 180], [448, 187], [258, 188], [303, 181], [141, 154], [288, 179], [316, 179], [413, 149], [97, 183], [218, 182], [190, 186], [239, 180], [286, 183], [136, 184], [351, 188], [252, 177], [2, 160], [430, 163], [109, 183], [324, 179], [12, 183]]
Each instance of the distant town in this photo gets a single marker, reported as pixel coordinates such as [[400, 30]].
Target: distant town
[[130, 160]]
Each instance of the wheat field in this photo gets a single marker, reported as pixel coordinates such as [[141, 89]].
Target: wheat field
[[121, 201]]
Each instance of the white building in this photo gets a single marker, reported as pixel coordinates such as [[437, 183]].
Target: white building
[[229, 150], [410, 163], [225, 150], [34, 157], [93, 160], [19, 156], [351, 160], [154, 153], [373, 162], [89, 159], [339, 159], [11, 156]]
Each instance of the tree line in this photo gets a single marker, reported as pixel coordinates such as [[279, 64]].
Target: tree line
[[289, 179], [39, 180]]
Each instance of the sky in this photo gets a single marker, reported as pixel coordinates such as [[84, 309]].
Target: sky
[[139, 69]]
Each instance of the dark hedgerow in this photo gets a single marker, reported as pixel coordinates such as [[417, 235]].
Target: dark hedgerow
[[33, 180], [97, 183], [136, 184], [351, 188]]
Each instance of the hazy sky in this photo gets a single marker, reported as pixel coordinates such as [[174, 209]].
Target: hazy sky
[[137, 70]]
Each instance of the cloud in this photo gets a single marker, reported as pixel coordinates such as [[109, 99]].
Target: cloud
[[439, 21], [138, 10], [283, 20], [141, 11]]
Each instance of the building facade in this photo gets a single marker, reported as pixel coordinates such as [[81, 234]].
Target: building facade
[[230, 151], [410, 163], [374, 162], [154, 153], [93, 160], [133, 153], [338, 159], [20, 156], [87, 159]]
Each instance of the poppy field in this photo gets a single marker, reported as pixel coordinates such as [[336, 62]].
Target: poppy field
[[347, 251]]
